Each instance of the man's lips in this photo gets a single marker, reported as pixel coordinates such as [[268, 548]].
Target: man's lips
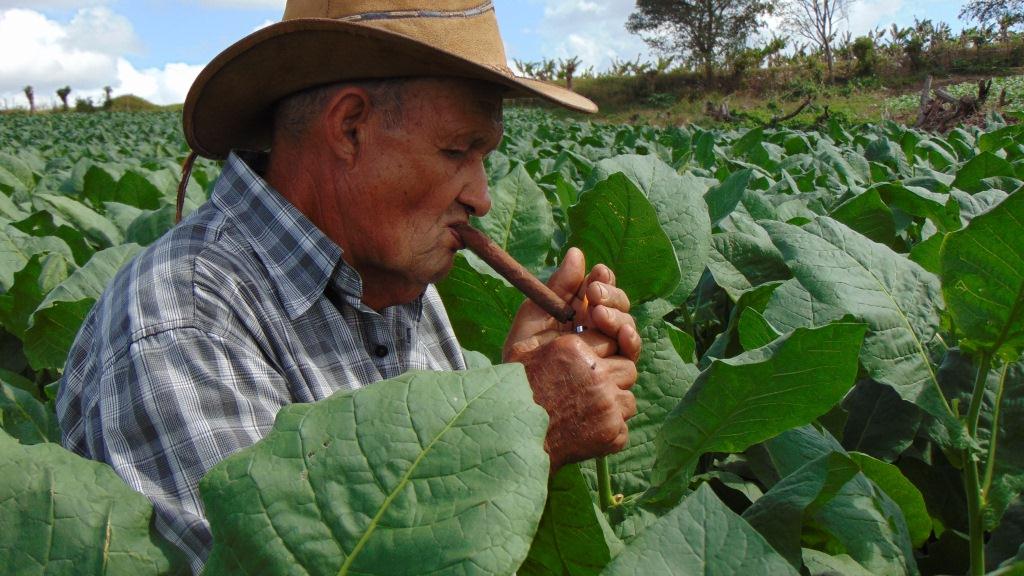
[[453, 228]]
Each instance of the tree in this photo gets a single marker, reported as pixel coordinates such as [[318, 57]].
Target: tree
[[31, 95], [816, 21], [567, 68], [1002, 14], [62, 93], [107, 100], [702, 30], [864, 52]]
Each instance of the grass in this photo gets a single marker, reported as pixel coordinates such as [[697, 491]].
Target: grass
[[679, 102]]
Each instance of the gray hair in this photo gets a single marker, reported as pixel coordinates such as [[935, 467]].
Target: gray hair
[[295, 114]]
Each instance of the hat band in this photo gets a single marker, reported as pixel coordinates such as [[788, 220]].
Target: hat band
[[404, 14]]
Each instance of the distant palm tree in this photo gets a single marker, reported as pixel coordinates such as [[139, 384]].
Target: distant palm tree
[[567, 68], [31, 95], [62, 93], [107, 101]]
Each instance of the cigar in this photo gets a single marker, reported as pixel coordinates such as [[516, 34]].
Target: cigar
[[513, 271]]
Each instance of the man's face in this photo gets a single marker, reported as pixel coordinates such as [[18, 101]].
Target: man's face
[[413, 181]]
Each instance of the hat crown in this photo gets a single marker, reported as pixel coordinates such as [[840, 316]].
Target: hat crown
[[467, 28]]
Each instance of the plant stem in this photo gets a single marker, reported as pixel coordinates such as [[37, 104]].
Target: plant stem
[[974, 412], [972, 486], [990, 463], [604, 484]]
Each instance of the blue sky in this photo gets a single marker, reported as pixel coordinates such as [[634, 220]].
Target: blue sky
[[155, 48]]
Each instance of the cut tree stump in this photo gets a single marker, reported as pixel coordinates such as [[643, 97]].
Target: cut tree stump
[[943, 111]]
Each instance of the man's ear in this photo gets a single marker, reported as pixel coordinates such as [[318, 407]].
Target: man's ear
[[345, 122]]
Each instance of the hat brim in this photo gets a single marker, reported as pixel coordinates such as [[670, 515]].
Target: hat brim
[[230, 104]]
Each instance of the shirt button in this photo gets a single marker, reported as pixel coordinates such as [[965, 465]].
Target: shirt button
[[381, 351]]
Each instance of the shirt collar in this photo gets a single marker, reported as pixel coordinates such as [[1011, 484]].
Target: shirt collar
[[299, 258]]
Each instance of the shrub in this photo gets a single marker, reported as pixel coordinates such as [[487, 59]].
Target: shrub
[[867, 58]]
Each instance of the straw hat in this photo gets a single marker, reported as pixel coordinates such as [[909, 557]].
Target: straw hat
[[325, 41]]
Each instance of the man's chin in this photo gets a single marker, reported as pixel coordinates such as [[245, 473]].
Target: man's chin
[[443, 273]]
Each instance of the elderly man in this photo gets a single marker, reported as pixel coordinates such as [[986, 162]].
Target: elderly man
[[310, 269]]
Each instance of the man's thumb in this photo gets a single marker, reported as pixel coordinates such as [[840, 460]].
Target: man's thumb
[[567, 279]]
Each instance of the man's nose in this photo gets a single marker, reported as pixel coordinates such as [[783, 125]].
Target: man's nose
[[475, 195]]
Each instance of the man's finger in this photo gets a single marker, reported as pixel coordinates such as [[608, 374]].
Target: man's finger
[[602, 345], [602, 273], [567, 279], [531, 343], [628, 403], [602, 294], [620, 327], [619, 370]]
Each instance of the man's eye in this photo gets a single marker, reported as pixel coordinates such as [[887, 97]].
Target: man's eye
[[453, 153]]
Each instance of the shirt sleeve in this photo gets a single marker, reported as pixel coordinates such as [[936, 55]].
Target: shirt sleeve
[[174, 405]]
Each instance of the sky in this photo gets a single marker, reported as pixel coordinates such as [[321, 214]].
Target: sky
[[156, 48]]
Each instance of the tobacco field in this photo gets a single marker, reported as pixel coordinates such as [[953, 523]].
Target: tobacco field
[[832, 379]]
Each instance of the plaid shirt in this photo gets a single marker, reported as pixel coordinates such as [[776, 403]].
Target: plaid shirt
[[198, 342]]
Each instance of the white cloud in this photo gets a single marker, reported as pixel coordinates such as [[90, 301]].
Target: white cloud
[[86, 54], [866, 15], [594, 31], [35, 53], [101, 30], [51, 4], [167, 85], [263, 25], [255, 4]]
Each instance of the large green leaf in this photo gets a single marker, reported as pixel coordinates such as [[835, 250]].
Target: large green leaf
[[93, 226], [55, 322], [941, 209], [41, 274], [729, 342], [614, 224], [480, 306], [62, 514], [135, 189], [700, 536], [662, 380], [744, 400], [779, 514], [985, 165], [1007, 540], [520, 219], [859, 519], [754, 331], [573, 537], [880, 423], [722, 199], [867, 214], [18, 169], [903, 493], [740, 261], [845, 273], [983, 279], [16, 248], [427, 473], [150, 225], [42, 225], [820, 563], [8, 209], [26, 419], [682, 212]]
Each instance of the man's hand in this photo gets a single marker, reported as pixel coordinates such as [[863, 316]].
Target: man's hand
[[582, 380]]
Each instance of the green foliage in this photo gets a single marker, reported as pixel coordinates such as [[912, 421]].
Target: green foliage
[[426, 472], [831, 325], [65, 515], [703, 32], [864, 52]]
